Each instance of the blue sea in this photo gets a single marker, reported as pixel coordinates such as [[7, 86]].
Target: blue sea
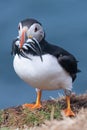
[[65, 24]]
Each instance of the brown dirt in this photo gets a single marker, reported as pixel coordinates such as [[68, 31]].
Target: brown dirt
[[77, 103]]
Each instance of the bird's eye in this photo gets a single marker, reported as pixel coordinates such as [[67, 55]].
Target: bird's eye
[[35, 30]]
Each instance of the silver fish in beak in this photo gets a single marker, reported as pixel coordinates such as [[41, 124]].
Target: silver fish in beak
[[32, 44]]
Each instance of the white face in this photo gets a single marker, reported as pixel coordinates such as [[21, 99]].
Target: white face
[[35, 31]]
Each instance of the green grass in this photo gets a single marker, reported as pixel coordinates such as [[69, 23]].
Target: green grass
[[38, 117], [19, 116]]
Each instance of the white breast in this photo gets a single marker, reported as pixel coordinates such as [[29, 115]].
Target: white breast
[[48, 75]]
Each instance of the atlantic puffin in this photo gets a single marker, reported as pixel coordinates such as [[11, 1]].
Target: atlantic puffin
[[42, 65]]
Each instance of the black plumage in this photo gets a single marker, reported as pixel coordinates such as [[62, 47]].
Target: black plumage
[[43, 65], [65, 59], [15, 49], [29, 22]]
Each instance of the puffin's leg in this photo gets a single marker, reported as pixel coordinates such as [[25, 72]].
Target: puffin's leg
[[38, 101], [68, 111]]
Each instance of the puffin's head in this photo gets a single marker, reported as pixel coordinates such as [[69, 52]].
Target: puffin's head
[[28, 29]]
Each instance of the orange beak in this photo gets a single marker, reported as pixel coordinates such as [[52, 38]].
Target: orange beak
[[22, 39]]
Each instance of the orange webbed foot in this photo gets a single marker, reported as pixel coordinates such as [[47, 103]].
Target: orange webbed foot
[[69, 112], [37, 104], [32, 106]]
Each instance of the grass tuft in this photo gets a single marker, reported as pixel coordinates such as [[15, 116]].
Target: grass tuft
[[17, 117]]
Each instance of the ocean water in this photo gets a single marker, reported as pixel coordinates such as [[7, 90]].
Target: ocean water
[[65, 24]]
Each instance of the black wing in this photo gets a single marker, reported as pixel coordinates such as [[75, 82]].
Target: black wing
[[69, 63], [66, 60]]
